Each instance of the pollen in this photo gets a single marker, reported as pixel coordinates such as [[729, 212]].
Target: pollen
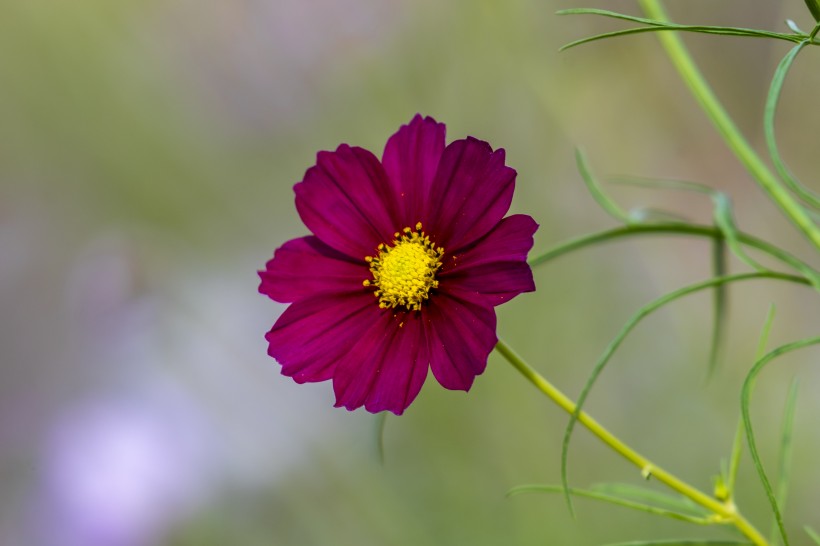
[[404, 272]]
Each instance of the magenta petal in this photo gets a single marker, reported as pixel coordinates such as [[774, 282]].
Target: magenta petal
[[410, 158], [471, 193], [496, 266], [305, 267], [313, 334], [347, 202], [460, 336], [386, 369]]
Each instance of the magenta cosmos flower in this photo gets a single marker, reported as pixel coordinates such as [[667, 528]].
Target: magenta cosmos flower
[[408, 258]]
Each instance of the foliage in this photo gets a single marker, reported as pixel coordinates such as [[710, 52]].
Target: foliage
[[797, 202]]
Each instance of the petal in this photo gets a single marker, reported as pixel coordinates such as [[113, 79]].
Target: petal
[[387, 368], [347, 202], [496, 266], [410, 158], [460, 336], [471, 193], [312, 334], [305, 267]]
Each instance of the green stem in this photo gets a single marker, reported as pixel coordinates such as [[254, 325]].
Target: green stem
[[731, 134], [726, 511], [675, 229]]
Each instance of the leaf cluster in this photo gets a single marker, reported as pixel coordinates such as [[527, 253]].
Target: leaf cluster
[[727, 239]]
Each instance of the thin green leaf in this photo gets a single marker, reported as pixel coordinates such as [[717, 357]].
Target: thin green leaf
[[666, 25], [734, 459], [765, 333], [718, 304], [786, 448], [699, 29], [724, 219], [612, 14], [747, 423], [674, 26], [684, 542], [596, 190], [812, 534], [768, 128], [642, 313], [721, 212], [812, 276], [723, 216], [793, 26], [814, 8], [679, 229], [378, 434], [613, 499], [652, 497]]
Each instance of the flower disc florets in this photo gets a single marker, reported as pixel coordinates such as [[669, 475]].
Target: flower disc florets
[[405, 272]]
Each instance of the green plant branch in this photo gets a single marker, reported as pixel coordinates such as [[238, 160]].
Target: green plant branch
[[719, 303], [653, 25], [784, 470], [734, 460], [745, 400], [642, 313], [726, 127], [770, 110], [604, 497], [676, 229], [726, 511]]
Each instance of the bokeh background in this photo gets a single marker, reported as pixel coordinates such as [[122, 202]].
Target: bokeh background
[[147, 156]]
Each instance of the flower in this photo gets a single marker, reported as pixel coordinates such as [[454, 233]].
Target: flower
[[408, 258]]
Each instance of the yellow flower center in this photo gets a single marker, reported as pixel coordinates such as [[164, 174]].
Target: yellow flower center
[[405, 272]]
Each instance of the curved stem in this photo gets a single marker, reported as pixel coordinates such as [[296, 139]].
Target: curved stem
[[676, 229], [726, 511], [728, 130]]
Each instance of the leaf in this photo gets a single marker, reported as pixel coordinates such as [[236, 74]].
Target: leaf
[[793, 26], [734, 460], [768, 127], [812, 277], [724, 219], [642, 313], [608, 13], [597, 191], [654, 25], [786, 448], [718, 304], [814, 8], [721, 212], [659, 499], [811, 532], [723, 216], [745, 399], [696, 517]]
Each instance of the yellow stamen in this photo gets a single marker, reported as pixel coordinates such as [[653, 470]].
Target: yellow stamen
[[405, 272]]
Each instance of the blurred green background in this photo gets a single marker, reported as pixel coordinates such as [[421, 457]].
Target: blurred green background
[[147, 156]]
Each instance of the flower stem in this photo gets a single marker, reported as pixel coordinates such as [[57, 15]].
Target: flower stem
[[728, 130], [726, 511]]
